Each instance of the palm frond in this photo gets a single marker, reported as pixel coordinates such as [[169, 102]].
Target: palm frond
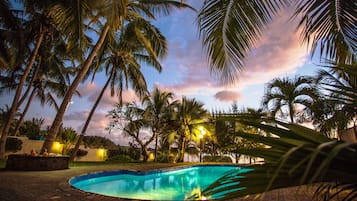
[[293, 155], [229, 29]]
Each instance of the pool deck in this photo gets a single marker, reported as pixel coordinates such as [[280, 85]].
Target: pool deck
[[53, 185]]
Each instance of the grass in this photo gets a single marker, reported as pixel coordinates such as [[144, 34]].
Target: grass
[[2, 164]]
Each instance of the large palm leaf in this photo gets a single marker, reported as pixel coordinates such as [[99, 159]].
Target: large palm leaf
[[229, 29], [330, 27], [294, 155]]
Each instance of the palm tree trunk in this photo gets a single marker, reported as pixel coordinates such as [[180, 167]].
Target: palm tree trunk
[[84, 129], [291, 112], [52, 133], [25, 111], [156, 142], [22, 99], [182, 151], [15, 101]]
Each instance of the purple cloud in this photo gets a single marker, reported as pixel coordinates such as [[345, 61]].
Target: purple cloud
[[227, 96]]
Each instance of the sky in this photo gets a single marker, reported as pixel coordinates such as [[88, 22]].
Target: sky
[[278, 53]]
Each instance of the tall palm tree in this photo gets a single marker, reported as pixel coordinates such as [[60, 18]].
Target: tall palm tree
[[114, 14], [285, 92], [189, 113], [157, 113], [50, 77], [124, 61], [337, 108], [229, 29], [38, 23]]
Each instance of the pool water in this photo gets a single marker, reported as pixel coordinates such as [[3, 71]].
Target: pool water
[[170, 184]]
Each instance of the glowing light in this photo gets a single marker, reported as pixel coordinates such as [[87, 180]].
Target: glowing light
[[151, 157], [57, 148], [202, 132], [102, 154]]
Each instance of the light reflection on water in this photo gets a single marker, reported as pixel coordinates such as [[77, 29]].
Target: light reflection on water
[[170, 185]]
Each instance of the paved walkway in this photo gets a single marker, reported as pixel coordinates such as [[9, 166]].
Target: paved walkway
[[53, 185]]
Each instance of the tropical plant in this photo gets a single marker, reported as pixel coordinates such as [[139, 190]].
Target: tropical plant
[[158, 107], [227, 141], [13, 144], [36, 24], [188, 115], [114, 14], [123, 63], [130, 119], [229, 29], [96, 142], [337, 108], [32, 129], [293, 155], [289, 93], [67, 137]]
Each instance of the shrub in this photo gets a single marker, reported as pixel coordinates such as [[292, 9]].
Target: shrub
[[121, 158], [217, 159], [80, 152], [13, 144]]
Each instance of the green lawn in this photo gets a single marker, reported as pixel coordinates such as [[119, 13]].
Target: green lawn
[[2, 163]]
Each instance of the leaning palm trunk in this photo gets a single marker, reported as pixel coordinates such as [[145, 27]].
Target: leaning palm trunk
[[22, 117], [85, 127], [15, 101], [52, 133]]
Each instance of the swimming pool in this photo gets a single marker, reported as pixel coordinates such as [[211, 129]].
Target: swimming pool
[[169, 184]]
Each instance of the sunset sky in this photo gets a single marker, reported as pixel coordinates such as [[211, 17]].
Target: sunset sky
[[186, 73]]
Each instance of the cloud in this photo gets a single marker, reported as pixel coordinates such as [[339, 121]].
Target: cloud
[[227, 96], [278, 53], [88, 89]]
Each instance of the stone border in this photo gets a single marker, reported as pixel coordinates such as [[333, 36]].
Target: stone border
[[36, 163]]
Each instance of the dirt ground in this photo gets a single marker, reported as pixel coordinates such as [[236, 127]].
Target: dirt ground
[[53, 185]]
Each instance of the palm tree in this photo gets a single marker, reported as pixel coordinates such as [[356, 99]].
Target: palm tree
[[337, 108], [123, 64], [289, 93], [229, 29], [38, 24], [157, 107], [115, 14], [189, 113], [50, 78]]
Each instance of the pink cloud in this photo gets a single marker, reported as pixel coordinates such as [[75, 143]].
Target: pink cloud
[[278, 53], [227, 96], [88, 89]]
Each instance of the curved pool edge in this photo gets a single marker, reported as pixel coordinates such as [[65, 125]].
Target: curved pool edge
[[140, 172], [91, 175]]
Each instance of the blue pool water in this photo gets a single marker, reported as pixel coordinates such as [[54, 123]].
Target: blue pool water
[[170, 184]]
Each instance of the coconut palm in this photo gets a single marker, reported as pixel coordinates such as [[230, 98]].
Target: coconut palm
[[289, 93], [188, 114], [114, 14], [157, 107], [293, 155], [229, 29], [124, 61], [37, 24]]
